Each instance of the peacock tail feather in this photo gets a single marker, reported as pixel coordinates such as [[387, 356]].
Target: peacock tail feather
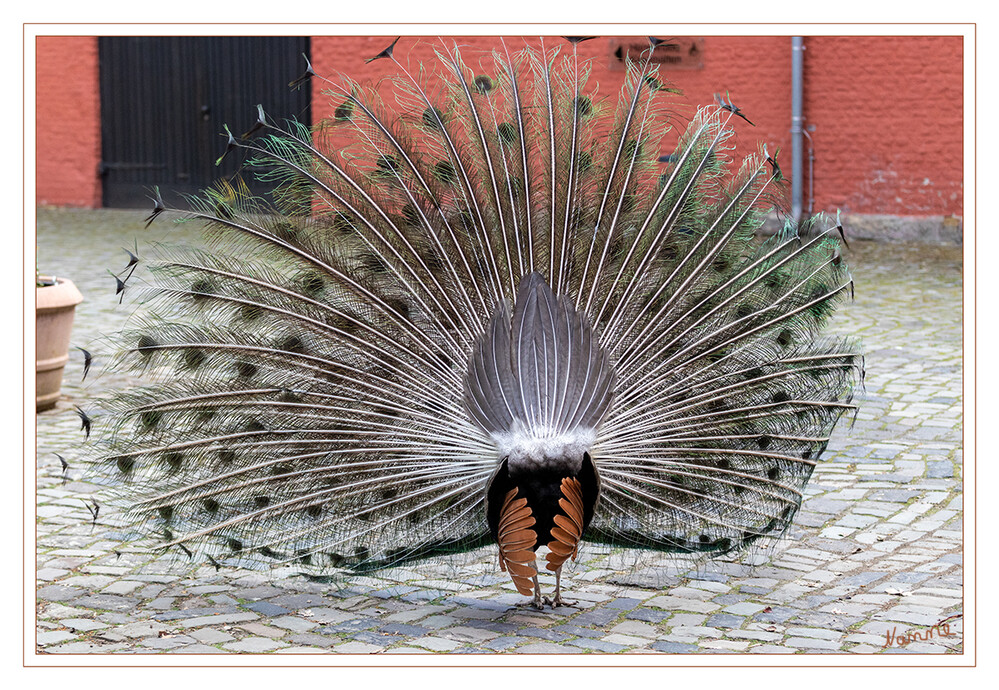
[[312, 387]]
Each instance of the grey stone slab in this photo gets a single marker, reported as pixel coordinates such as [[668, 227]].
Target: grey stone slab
[[254, 645], [435, 644], [547, 648], [57, 592], [82, 624], [377, 638], [475, 603], [812, 643], [353, 626], [301, 601], [197, 612], [311, 640], [496, 626], [267, 608], [648, 615], [599, 645], [221, 619], [624, 603], [725, 620], [551, 635], [106, 602], [579, 631], [674, 647], [211, 636], [404, 629], [500, 644], [53, 637]]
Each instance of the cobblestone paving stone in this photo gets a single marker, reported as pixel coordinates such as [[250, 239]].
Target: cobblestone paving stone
[[876, 550]]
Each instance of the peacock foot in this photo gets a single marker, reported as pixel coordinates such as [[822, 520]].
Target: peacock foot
[[536, 601], [558, 601]]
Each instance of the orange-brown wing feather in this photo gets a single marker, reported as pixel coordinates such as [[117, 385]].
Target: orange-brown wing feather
[[568, 527], [516, 541]]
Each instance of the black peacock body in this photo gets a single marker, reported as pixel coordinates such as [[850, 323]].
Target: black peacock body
[[482, 311]]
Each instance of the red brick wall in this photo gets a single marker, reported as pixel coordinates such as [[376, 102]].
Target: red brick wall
[[887, 111], [67, 121]]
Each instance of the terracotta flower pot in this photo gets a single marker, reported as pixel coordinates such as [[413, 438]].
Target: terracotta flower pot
[[55, 306]]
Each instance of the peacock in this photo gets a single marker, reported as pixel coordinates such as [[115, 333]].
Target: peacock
[[479, 308]]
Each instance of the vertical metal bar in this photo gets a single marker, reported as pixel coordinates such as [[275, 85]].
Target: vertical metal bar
[[797, 74]]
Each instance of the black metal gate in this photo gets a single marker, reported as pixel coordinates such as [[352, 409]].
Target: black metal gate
[[164, 101]]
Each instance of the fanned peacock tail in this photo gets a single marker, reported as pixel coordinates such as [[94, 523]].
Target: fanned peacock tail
[[309, 367]]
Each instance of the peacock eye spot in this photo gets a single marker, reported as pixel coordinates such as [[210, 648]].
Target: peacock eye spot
[[583, 106], [507, 132], [411, 215], [146, 343], [482, 84], [245, 369], [285, 229], [773, 473], [445, 172], [149, 419], [173, 460], [202, 287], [389, 164], [250, 312], [341, 223], [433, 117], [293, 343], [399, 306], [193, 358], [312, 283], [344, 111], [633, 149]]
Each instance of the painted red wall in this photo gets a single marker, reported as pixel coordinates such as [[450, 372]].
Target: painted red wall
[[67, 121], [887, 111]]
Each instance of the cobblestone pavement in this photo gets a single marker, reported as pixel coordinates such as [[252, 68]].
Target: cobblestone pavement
[[876, 551]]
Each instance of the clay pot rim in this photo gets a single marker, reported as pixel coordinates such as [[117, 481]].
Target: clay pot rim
[[60, 294]]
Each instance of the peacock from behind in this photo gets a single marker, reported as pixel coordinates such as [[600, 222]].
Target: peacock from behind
[[481, 310]]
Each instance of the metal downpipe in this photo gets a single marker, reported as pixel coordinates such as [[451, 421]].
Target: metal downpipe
[[797, 120]]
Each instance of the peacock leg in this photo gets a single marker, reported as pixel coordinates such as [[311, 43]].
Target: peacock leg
[[557, 600], [537, 601]]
